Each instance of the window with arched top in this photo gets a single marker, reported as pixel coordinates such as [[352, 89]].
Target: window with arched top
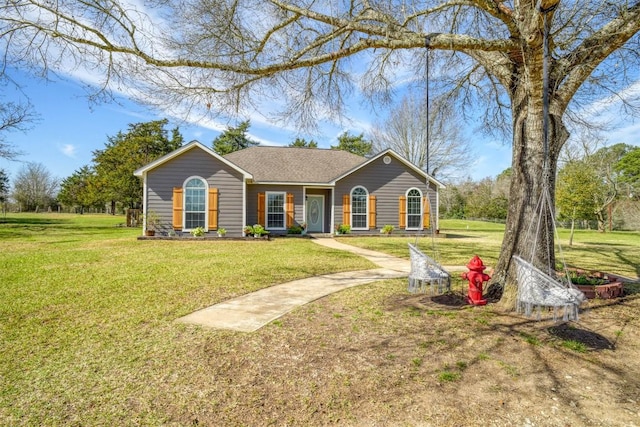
[[359, 205], [414, 209], [195, 203]]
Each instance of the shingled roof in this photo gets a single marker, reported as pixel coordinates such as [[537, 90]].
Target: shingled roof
[[294, 164]]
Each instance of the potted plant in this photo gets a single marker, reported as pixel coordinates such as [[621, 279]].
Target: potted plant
[[247, 230], [259, 230], [198, 232], [222, 232], [387, 229], [152, 223]]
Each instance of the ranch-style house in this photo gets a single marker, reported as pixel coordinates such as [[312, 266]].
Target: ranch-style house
[[281, 187]]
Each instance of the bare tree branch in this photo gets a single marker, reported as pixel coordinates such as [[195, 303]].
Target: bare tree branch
[[574, 68], [14, 116]]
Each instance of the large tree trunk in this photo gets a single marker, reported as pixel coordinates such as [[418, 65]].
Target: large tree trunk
[[529, 230], [528, 225]]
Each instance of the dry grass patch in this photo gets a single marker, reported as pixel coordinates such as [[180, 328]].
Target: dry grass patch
[[374, 355]]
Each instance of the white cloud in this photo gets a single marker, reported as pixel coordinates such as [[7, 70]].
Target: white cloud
[[611, 103], [628, 133], [264, 128], [68, 150]]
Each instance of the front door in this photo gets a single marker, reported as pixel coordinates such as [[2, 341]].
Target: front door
[[315, 213]]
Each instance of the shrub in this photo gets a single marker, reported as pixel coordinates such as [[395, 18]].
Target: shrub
[[259, 230], [343, 229], [387, 229], [294, 229]]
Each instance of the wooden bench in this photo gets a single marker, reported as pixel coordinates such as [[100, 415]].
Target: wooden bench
[[424, 270]]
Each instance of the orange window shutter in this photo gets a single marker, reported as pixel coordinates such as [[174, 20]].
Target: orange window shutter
[[290, 209], [177, 207], [346, 209], [402, 209], [213, 209], [426, 213], [372, 212], [261, 209]]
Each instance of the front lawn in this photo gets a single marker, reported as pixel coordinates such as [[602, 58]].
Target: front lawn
[[86, 308], [88, 338]]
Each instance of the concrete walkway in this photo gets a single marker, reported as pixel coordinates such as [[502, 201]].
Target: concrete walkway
[[250, 312]]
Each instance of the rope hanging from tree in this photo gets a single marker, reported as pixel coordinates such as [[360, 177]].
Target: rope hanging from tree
[[538, 289], [432, 226], [424, 269]]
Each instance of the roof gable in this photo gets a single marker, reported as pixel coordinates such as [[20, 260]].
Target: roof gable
[[190, 146], [389, 151]]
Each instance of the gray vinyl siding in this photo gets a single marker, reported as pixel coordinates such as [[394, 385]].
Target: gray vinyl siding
[[196, 163], [387, 183], [252, 202]]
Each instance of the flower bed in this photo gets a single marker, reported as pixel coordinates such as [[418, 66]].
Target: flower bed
[[597, 284]]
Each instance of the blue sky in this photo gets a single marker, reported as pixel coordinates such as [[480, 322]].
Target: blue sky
[[69, 128]]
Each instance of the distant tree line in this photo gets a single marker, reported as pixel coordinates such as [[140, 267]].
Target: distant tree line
[[486, 199], [596, 188], [236, 138], [599, 190], [35, 188]]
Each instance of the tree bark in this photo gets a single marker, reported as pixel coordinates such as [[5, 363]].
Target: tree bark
[[530, 222]]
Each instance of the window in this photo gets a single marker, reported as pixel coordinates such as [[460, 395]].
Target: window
[[359, 208], [275, 211], [414, 209], [195, 203]]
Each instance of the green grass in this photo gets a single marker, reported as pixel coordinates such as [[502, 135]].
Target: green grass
[[613, 252], [449, 376], [458, 242], [530, 339], [51, 228], [577, 346], [87, 308], [511, 370], [88, 333]]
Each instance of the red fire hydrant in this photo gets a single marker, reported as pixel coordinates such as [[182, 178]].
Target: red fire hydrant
[[476, 277]]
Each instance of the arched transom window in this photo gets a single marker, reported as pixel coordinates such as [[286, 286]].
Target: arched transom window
[[359, 204], [414, 209], [195, 203]]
